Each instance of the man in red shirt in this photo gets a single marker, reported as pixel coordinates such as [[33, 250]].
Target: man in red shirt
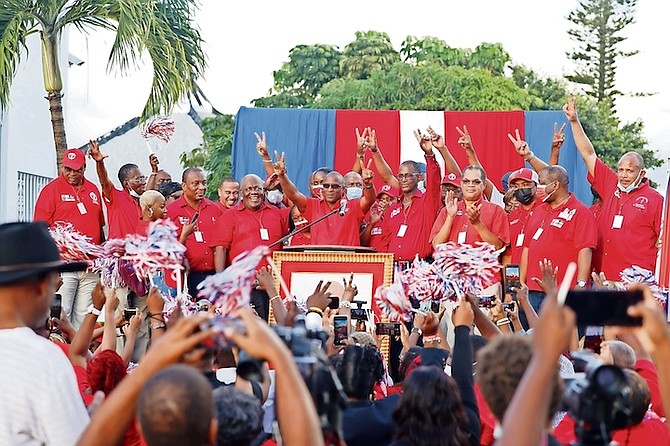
[[195, 217], [629, 223], [229, 193], [473, 219], [561, 230], [408, 222], [523, 183], [71, 198], [251, 223], [373, 235], [342, 229]]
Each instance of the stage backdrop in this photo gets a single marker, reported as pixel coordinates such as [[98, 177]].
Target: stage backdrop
[[316, 138]]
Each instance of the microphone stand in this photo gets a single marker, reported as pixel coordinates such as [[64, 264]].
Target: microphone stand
[[308, 225]]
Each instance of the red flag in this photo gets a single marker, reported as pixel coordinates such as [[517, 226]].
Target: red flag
[[664, 266]]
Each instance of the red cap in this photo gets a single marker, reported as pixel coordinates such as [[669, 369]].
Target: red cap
[[74, 159], [388, 190], [452, 178], [523, 174]]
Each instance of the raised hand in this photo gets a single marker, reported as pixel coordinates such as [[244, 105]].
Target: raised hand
[[465, 140], [570, 109], [424, 142], [94, 151], [451, 203], [262, 145], [520, 145], [375, 215], [279, 165], [320, 298], [436, 140], [367, 174], [350, 290], [473, 212], [549, 275], [463, 314], [153, 162], [155, 301], [559, 137], [361, 141], [98, 295], [265, 279], [371, 140]]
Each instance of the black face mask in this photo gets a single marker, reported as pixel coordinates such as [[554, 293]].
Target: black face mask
[[525, 195]]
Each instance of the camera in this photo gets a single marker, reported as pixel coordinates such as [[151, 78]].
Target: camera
[[508, 306], [487, 301], [128, 313], [359, 313], [600, 402]]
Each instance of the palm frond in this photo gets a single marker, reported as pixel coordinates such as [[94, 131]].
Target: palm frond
[[17, 22], [85, 14]]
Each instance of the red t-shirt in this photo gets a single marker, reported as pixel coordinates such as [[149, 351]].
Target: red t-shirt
[[244, 229], [335, 230], [652, 431], [221, 206], [518, 219], [557, 235], [487, 421], [409, 229], [59, 201], [199, 254], [491, 215], [123, 213], [647, 370], [634, 243]]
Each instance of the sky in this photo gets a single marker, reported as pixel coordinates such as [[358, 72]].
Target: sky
[[246, 41]]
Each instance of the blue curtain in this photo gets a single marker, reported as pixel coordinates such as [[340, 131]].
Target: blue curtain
[[539, 130], [306, 136]]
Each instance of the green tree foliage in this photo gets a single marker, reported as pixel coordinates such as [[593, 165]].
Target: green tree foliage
[[215, 154], [370, 52], [545, 93], [597, 31]]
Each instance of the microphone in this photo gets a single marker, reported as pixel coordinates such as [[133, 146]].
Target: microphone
[[343, 206]]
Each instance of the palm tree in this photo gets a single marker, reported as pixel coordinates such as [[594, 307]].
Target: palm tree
[[163, 29]]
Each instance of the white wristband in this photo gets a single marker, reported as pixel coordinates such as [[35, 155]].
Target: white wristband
[[93, 310]]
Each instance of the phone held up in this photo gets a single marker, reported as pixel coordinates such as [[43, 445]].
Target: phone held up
[[56, 307], [512, 278], [341, 324], [604, 307], [387, 329], [128, 313]]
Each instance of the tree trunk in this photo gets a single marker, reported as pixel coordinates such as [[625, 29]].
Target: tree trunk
[[57, 125]]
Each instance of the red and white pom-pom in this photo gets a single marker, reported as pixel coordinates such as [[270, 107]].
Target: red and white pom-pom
[[230, 289], [423, 282], [160, 250], [73, 245], [468, 268], [161, 127], [108, 264], [187, 307], [393, 302], [637, 274]]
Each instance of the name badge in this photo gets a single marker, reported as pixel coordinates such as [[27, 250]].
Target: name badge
[[461, 237], [538, 233], [618, 222], [198, 236], [402, 230], [264, 234], [519, 240], [82, 208]]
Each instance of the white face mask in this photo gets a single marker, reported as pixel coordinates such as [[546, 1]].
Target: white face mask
[[354, 192], [632, 186], [275, 196], [422, 186], [133, 193]]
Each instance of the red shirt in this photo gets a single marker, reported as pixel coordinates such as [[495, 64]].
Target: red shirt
[[244, 229], [123, 213], [647, 370], [221, 206], [564, 232], [416, 220], [652, 431], [379, 236], [518, 219], [491, 215], [60, 201], [199, 254], [634, 243], [335, 230]]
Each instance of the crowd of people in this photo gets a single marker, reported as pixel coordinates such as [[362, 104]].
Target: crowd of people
[[115, 366]]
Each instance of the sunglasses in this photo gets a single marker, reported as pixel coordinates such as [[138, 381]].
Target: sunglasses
[[331, 186]]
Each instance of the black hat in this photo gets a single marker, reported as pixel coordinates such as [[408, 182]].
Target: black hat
[[27, 249]]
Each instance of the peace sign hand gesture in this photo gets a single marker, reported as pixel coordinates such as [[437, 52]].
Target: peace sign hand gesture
[[367, 174], [520, 145], [559, 137], [262, 146], [424, 142], [465, 140], [279, 165]]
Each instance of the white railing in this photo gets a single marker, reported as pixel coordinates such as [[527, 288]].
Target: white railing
[[29, 187]]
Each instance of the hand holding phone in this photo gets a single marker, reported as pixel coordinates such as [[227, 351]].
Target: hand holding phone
[[512, 278], [341, 333], [604, 307], [56, 307], [128, 313]]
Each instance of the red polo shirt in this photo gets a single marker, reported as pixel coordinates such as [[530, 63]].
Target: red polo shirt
[[244, 229], [335, 230], [123, 213], [518, 219], [491, 215], [634, 242], [564, 232], [59, 201], [380, 236], [417, 219], [199, 254], [221, 206]]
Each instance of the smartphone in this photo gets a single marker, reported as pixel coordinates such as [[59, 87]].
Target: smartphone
[[56, 306], [387, 328], [128, 313], [341, 324], [334, 302], [359, 314], [195, 218], [508, 306], [487, 301], [604, 307], [512, 278], [593, 337]]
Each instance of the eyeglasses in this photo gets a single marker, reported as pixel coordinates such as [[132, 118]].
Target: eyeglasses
[[138, 179], [331, 186], [251, 189], [473, 182], [406, 176]]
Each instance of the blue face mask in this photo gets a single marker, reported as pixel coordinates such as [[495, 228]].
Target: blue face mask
[[354, 192], [421, 186], [631, 187]]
